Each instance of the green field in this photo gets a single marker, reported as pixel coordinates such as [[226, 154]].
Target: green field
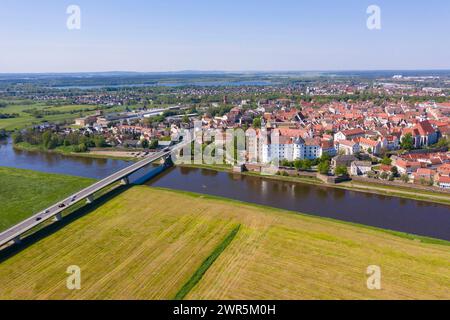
[[25, 192], [68, 112], [149, 243]]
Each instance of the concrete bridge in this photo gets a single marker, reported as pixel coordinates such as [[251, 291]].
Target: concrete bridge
[[15, 233]]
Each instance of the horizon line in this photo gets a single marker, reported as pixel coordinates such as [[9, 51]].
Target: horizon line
[[225, 71]]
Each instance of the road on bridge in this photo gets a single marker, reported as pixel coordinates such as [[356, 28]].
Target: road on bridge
[[14, 233]]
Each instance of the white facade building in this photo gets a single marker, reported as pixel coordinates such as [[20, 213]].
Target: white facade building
[[291, 149]]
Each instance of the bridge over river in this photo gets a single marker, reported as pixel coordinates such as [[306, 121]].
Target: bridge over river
[[15, 233]]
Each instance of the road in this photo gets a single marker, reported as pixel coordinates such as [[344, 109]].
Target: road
[[16, 231]]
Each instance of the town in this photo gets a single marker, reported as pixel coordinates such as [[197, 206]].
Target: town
[[399, 141]]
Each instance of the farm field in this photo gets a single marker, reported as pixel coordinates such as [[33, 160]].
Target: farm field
[[65, 112], [150, 243], [25, 192]]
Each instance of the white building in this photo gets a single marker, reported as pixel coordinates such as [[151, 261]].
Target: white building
[[360, 168], [291, 149], [347, 147]]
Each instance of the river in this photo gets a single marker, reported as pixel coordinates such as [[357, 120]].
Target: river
[[411, 216]]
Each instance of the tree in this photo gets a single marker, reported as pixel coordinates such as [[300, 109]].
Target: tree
[[154, 144], [325, 157], [443, 143], [407, 142], [100, 142], [341, 170], [404, 178], [17, 137], [394, 171], [185, 119], [257, 122], [80, 148], [53, 143], [287, 163], [145, 144], [46, 137], [324, 167], [384, 175], [306, 164], [386, 161], [298, 164]]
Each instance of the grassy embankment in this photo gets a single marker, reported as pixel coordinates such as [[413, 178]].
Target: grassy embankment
[[407, 192], [148, 243], [25, 192]]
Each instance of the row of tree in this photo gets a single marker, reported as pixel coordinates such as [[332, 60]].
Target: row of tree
[[51, 140], [9, 115], [323, 164]]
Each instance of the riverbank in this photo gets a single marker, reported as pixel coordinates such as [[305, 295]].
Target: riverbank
[[406, 192], [67, 151], [308, 257], [25, 192]]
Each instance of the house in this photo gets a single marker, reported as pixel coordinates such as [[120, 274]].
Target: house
[[423, 175], [407, 167], [444, 182], [444, 170], [386, 168], [347, 147], [370, 146], [360, 168], [391, 143], [86, 121], [311, 149], [423, 134], [328, 147], [349, 134], [343, 160]]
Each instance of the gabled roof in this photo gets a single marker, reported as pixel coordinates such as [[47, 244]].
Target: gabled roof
[[353, 132], [425, 128]]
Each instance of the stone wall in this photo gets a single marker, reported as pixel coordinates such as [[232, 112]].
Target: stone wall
[[400, 184]]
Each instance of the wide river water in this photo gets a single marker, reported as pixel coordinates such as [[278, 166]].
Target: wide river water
[[411, 216]]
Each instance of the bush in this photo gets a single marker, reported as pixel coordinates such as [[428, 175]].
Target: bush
[[341, 171], [386, 161], [17, 137], [80, 148], [384, 175], [324, 167], [404, 178]]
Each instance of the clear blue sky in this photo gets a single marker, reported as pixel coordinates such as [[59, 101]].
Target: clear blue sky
[[169, 35]]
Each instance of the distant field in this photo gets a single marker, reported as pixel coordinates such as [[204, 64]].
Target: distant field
[[24, 192], [69, 112], [153, 244]]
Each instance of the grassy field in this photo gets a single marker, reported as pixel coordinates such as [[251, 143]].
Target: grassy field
[[68, 112], [24, 192], [152, 243]]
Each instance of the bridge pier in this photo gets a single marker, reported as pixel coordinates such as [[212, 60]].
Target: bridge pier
[[89, 199], [58, 217], [17, 240], [125, 181], [168, 162]]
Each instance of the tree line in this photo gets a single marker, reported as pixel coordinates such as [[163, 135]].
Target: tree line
[[49, 140]]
